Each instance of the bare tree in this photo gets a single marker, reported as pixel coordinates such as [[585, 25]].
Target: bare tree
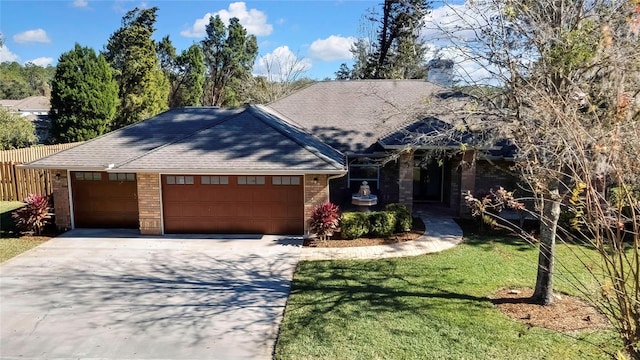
[[569, 75]]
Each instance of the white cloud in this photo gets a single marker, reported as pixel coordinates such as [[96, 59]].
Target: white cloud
[[255, 21], [32, 36], [6, 55], [281, 65], [80, 3], [332, 48], [41, 61]]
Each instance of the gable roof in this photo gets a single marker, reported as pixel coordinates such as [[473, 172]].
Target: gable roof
[[206, 140], [31, 103], [352, 115]]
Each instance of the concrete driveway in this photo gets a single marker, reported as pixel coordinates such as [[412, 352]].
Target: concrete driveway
[[116, 295]]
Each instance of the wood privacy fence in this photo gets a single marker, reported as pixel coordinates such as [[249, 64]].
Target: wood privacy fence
[[15, 183]]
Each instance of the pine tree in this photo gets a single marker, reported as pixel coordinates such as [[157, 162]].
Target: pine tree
[[84, 96], [143, 87], [229, 54]]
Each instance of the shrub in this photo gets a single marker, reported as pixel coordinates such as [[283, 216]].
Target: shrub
[[324, 220], [34, 216], [404, 219], [354, 225], [383, 223]]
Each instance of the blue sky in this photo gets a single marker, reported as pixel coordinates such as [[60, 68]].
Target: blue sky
[[314, 34], [312, 37]]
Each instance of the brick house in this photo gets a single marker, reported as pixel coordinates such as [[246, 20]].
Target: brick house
[[261, 169]]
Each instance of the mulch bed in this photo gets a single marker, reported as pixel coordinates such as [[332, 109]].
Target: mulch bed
[[417, 230], [567, 314]]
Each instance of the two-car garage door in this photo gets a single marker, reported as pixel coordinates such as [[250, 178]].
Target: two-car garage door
[[194, 203], [233, 204]]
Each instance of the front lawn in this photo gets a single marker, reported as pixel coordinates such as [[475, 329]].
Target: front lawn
[[428, 307], [10, 242]]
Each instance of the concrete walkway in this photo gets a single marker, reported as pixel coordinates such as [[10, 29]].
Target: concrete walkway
[[441, 234]]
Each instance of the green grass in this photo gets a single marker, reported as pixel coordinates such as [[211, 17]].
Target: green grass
[[10, 247], [7, 224], [428, 307]]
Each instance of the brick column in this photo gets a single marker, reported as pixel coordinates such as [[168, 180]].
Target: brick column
[[61, 206], [314, 195], [149, 205], [405, 179], [467, 180]]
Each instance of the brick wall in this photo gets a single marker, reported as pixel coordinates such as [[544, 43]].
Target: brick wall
[[405, 180], [62, 208], [149, 204], [491, 175], [314, 194]]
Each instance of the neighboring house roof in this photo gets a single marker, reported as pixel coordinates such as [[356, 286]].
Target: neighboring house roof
[[29, 104], [352, 115], [206, 140]]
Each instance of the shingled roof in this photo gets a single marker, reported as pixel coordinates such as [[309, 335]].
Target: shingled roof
[[203, 140], [352, 115]]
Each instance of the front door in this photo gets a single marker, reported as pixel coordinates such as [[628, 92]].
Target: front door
[[428, 182]]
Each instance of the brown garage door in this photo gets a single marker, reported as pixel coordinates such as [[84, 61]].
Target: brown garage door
[[102, 200], [233, 204]]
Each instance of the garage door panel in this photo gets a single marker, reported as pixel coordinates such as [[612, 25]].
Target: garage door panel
[[102, 203], [232, 207]]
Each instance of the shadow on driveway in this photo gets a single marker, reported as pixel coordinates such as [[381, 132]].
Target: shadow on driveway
[[161, 298]]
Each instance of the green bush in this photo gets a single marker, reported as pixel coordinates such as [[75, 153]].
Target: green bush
[[404, 219], [354, 225], [383, 223]]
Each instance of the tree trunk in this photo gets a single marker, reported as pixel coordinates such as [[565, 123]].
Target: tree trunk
[[543, 293]]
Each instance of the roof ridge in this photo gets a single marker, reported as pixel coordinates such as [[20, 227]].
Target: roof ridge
[[313, 150], [101, 136], [214, 123]]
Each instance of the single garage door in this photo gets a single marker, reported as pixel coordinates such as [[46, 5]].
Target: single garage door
[[104, 200], [233, 204]]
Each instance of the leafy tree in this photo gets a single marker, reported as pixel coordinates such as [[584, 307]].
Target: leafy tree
[[15, 130], [344, 73], [18, 82], [229, 54], [397, 51], [143, 87], [571, 73], [84, 97], [185, 73]]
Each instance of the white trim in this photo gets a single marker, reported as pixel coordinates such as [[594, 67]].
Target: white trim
[[228, 172], [72, 214], [161, 205]]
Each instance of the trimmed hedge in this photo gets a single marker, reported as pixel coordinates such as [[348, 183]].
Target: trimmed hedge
[[396, 218], [354, 224], [382, 223], [404, 220]]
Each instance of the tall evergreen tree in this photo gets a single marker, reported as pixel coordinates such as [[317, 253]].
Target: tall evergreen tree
[[397, 52], [185, 73], [84, 96], [229, 54], [143, 87]]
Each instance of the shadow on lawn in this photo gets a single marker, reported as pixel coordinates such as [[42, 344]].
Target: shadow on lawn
[[377, 287]]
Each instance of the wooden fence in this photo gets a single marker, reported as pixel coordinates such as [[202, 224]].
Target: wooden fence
[[15, 183], [33, 153]]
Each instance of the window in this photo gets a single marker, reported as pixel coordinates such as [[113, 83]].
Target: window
[[250, 180], [285, 180], [90, 176], [362, 171], [214, 180], [179, 180], [122, 177]]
